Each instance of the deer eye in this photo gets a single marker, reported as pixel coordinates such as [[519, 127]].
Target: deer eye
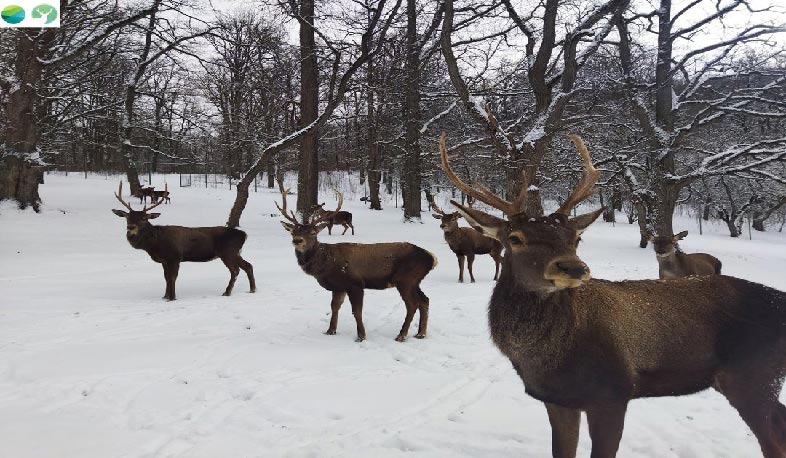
[[514, 240]]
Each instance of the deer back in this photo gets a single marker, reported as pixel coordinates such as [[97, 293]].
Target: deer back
[[376, 266], [627, 339]]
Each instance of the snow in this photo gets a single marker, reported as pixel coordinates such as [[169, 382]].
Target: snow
[[94, 364]]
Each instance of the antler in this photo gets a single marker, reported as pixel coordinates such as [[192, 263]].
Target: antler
[[583, 189], [163, 198], [329, 214], [119, 193], [291, 217], [434, 206], [483, 193]]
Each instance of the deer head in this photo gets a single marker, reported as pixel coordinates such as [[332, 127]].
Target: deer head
[[135, 219], [666, 246], [304, 234], [448, 221], [540, 251]]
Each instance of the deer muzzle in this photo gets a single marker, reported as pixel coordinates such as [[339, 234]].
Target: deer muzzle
[[567, 272]]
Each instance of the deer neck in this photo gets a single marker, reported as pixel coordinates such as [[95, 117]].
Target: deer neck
[[531, 328], [144, 237], [312, 261], [673, 263]]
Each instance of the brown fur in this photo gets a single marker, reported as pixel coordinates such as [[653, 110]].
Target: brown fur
[[342, 218], [466, 242], [171, 245], [673, 263], [582, 345], [347, 269]]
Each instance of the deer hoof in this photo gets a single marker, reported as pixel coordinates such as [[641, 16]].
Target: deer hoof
[[420, 336], [226, 293], [330, 332], [472, 281], [401, 338], [253, 290], [360, 339]]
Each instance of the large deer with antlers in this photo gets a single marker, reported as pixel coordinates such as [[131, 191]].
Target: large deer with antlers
[[466, 242], [347, 269], [674, 263], [582, 345], [171, 245]]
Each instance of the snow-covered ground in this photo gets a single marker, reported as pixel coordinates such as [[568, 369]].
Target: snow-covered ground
[[93, 363]]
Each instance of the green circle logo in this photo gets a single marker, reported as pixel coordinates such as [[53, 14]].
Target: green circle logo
[[13, 14], [46, 11]]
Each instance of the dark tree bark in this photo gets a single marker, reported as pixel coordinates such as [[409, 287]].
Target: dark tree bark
[[308, 171], [411, 170], [374, 172], [19, 176]]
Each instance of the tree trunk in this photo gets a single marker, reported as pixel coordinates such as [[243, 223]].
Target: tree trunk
[[374, 172], [308, 171], [411, 187], [21, 168], [271, 172]]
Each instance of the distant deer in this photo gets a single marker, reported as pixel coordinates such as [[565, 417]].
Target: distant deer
[[673, 263], [171, 245], [582, 345], [347, 269], [466, 242], [162, 195], [144, 193], [343, 218]]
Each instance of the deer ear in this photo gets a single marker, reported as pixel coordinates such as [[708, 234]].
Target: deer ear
[[153, 215], [488, 225], [681, 235], [287, 226], [582, 222], [120, 213], [436, 216]]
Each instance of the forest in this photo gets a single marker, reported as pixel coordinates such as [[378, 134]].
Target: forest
[[682, 103]]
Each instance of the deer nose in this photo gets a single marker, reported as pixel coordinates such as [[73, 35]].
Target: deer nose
[[297, 241], [572, 269]]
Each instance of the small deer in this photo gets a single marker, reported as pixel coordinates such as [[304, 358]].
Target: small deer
[[466, 242], [171, 245], [144, 193], [343, 218], [674, 263], [582, 345], [161, 195], [347, 269]]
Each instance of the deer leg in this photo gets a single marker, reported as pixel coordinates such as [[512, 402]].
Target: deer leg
[[345, 229], [565, 425], [170, 274], [234, 269], [411, 302], [470, 261], [330, 228], [335, 305], [605, 427], [423, 303], [249, 270], [497, 260], [353, 230], [758, 405], [461, 267], [356, 299]]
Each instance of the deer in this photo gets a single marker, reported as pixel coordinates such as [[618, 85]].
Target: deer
[[583, 345], [348, 269], [343, 218], [171, 245], [162, 195], [466, 242], [144, 193], [674, 263]]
